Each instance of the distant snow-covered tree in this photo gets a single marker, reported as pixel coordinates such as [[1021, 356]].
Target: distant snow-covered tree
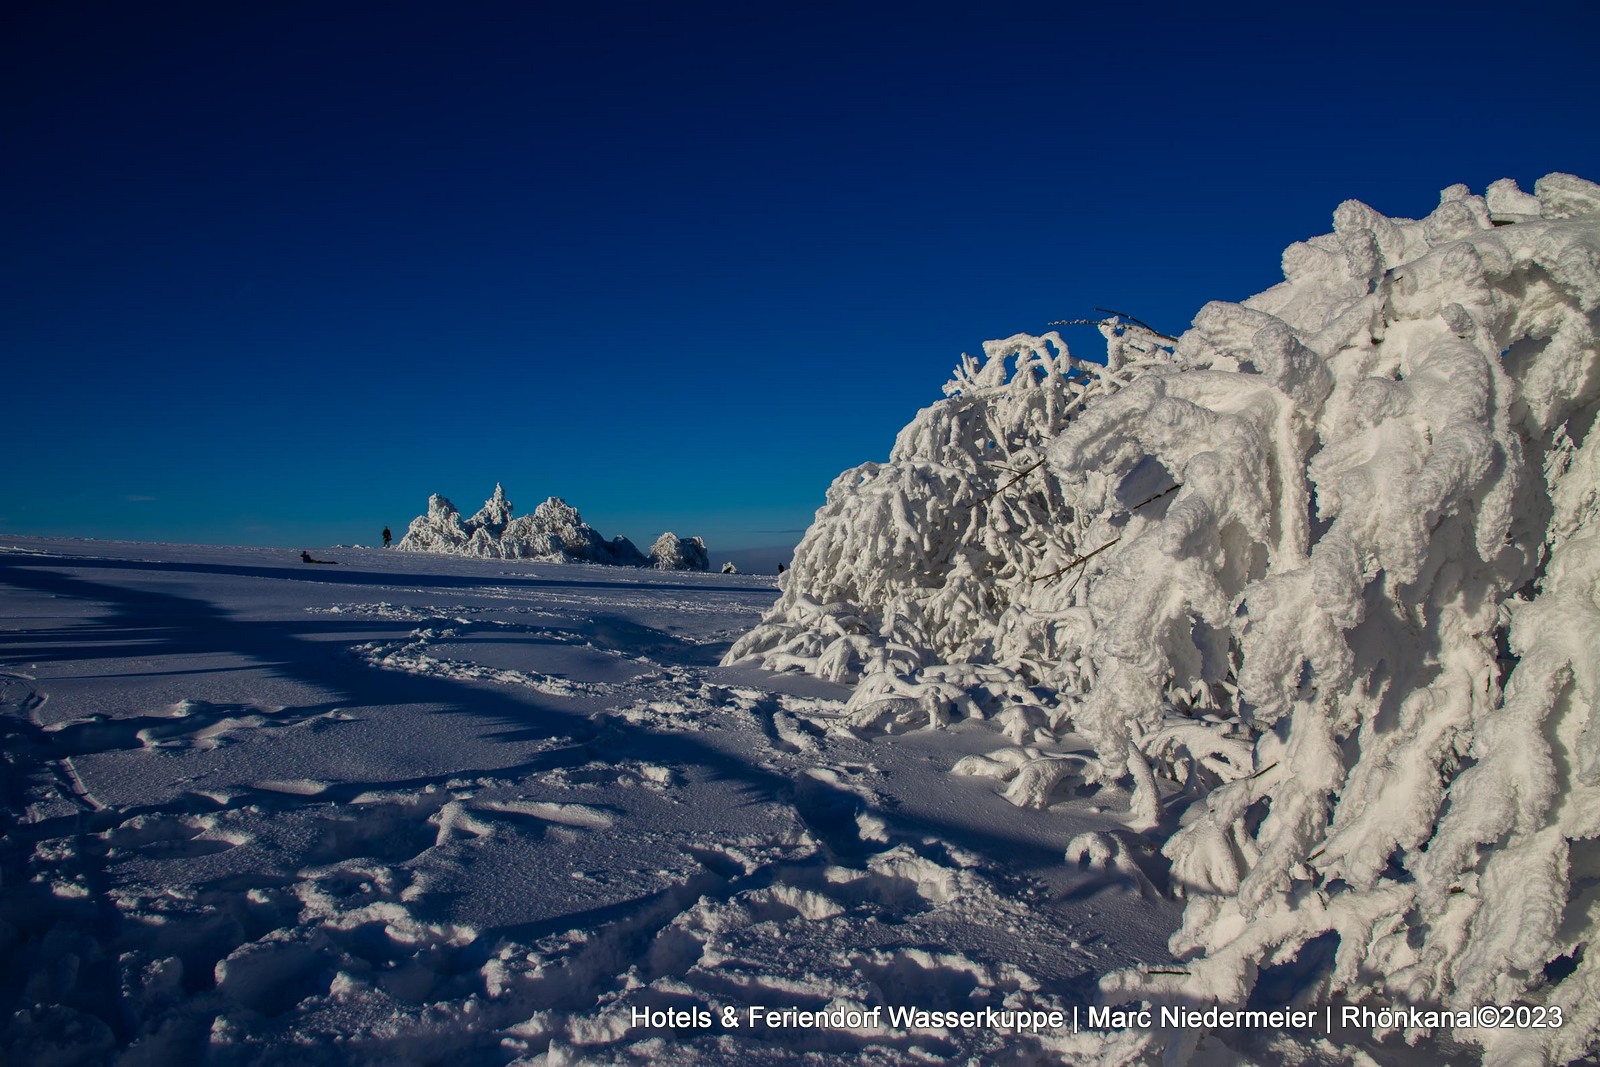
[[1320, 580], [674, 553], [553, 532]]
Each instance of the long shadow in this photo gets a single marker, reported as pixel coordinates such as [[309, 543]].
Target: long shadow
[[342, 576], [624, 635], [186, 626], [611, 632], [110, 641], [180, 625]]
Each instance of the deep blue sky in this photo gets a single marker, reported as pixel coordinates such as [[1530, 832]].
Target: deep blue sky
[[274, 272]]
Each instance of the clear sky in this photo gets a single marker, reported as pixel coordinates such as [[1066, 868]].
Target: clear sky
[[274, 272]]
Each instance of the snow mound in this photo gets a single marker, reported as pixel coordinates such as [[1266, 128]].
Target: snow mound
[[553, 533], [1319, 581]]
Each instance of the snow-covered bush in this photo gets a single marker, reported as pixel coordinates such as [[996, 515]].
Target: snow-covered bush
[[554, 532], [674, 553], [1320, 579]]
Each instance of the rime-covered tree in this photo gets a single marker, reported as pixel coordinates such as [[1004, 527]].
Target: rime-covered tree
[[1320, 580]]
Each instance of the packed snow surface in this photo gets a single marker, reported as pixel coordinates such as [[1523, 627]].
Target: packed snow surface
[[417, 808], [1318, 581], [553, 533]]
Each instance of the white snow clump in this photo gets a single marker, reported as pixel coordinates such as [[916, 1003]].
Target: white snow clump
[[1320, 579]]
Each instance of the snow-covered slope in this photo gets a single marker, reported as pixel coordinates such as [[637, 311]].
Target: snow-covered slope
[[554, 532], [1319, 581]]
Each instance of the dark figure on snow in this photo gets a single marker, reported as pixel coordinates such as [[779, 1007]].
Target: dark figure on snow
[[305, 557], [386, 537]]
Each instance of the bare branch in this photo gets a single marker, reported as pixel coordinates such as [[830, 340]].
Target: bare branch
[[1091, 555], [1158, 496], [1003, 488], [1085, 558]]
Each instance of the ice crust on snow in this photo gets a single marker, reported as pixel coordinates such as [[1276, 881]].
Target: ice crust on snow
[[554, 533], [1318, 581]]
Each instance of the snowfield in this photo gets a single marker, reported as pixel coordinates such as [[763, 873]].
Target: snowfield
[[415, 808]]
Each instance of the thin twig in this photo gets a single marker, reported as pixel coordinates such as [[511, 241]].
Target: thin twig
[[1003, 488], [1013, 481], [1157, 970], [1158, 496], [1140, 323], [1127, 320], [1080, 560], [1102, 548], [1076, 578]]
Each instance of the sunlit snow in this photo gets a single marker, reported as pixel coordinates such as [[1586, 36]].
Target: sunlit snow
[[412, 807]]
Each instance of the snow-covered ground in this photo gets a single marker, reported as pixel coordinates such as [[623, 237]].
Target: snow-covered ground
[[417, 809]]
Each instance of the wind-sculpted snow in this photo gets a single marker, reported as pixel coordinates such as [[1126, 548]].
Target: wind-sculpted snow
[[554, 533], [1318, 581]]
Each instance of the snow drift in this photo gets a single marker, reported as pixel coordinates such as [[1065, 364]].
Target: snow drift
[[1319, 581], [554, 533]]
